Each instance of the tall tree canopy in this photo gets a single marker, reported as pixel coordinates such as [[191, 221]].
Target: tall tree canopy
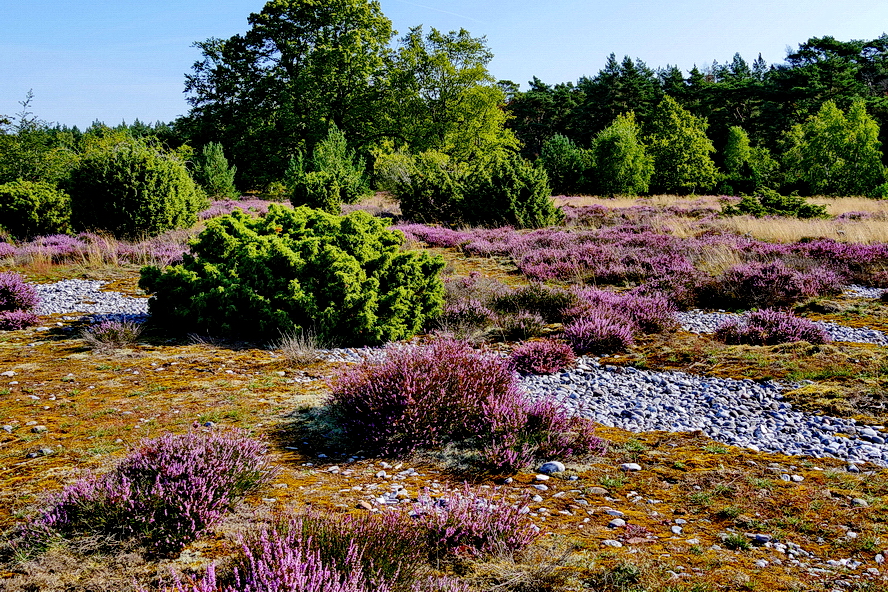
[[303, 65]]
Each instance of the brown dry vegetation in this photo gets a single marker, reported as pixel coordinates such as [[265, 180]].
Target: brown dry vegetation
[[95, 405]]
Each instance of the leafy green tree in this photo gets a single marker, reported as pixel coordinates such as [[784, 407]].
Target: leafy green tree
[[345, 277], [540, 112], [622, 164], [680, 150], [566, 164], [214, 174], [303, 65], [837, 154], [443, 98], [429, 186], [131, 188]]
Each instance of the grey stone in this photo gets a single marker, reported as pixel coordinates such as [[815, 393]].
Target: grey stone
[[551, 467]]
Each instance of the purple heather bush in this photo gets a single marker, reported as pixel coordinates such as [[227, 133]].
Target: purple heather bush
[[7, 250], [599, 334], [13, 320], [111, 334], [167, 492], [770, 327], [446, 392], [522, 325], [474, 523], [465, 313], [755, 285], [645, 313], [15, 293], [542, 357]]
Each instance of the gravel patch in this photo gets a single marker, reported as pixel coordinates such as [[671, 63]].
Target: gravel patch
[[83, 299], [699, 322], [738, 412], [857, 291]]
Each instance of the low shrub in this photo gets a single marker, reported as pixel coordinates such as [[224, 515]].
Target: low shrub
[[466, 313], [132, 189], [31, 208], [754, 285], [767, 202], [549, 303], [770, 327], [542, 357], [566, 164], [344, 276], [648, 313], [509, 191], [447, 392], [522, 325], [166, 493], [474, 523], [111, 334], [17, 299], [598, 334], [13, 320], [429, 187], [15, 293]]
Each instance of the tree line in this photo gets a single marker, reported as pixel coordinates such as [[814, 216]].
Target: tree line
[[320, 101]]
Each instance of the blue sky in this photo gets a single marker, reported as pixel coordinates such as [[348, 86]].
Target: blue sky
[[116, 60]]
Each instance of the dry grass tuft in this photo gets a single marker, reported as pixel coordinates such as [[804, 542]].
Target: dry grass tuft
[[301, 349]]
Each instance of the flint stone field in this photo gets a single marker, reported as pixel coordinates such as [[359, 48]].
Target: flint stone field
[[719, 466]]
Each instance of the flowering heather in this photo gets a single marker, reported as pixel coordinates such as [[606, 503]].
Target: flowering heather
[[13, 320], [446, 392], [16, 294], [474, 523], [6, 250], [770, 327], [598, 334], [542, 357], [466, 313], [420, 397], [755, 285], [647, 313], [167, 492], [522, 325]]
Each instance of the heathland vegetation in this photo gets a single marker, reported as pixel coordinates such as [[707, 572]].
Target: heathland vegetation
[[485, 237]]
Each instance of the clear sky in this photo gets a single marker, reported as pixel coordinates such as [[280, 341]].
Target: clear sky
[[116, 60]]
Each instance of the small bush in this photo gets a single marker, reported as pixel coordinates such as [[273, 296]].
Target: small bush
[[549, 303], [167, 492], [429, 188], [344, 276], [474, 523], [770, 327], [523, 325], [566, 165], [645, 313], [333, 175], [111, 334], [509, 191], [132, 189], [13, 320], [214, 174], [755, 285], [16, 294], [767, 202], [466, 313], [598, 334], [542, 357], [29, 209], [424, 397]]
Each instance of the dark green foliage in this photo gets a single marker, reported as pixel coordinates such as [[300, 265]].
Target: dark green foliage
[[428, 186], [213, 173], [333, 176], [622, 164], [768, 202], [343, 277], [132, 189], [32, 208], [566, 164], [509, 191], [550, 303]]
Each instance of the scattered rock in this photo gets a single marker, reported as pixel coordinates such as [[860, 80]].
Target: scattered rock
[[542, 477], [541, 487], [616, 523], [611, 543], [597, 491], [630, 466], [551, 467], [364, 505], [39, 429], [859, 502]]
